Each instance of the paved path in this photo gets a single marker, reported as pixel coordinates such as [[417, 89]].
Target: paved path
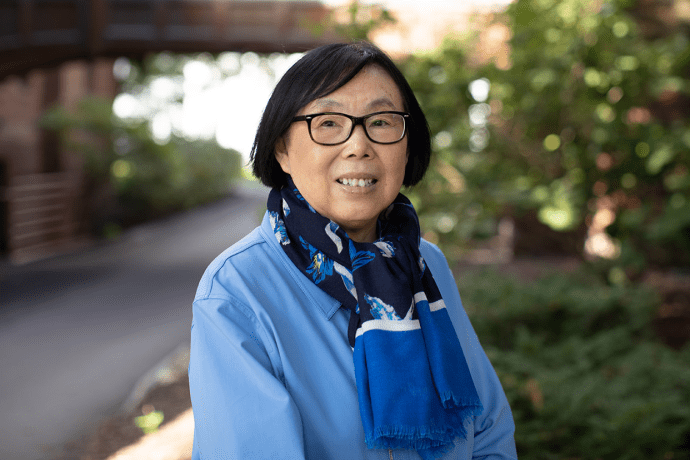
[[78, 332]]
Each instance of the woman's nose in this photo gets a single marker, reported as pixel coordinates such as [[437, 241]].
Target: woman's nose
[[358, 144]]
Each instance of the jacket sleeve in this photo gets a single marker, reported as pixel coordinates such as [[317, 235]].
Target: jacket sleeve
[[242, 409], [494, 429]]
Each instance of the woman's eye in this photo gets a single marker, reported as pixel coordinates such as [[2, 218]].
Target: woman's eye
[[380, 122], [328, 123]]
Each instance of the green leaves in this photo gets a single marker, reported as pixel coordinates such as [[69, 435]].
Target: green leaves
[[584, 374], [149, 423], [591, 111], [131, 176]]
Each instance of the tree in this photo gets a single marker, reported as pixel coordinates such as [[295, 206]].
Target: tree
[[587, 129], [130, 177]]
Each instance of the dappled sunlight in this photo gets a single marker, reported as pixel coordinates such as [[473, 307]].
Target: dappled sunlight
[[479, 114], [598, 243], [127, 106], [211, 98]]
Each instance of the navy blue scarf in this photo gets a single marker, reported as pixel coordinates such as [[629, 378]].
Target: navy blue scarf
[[414, 387]]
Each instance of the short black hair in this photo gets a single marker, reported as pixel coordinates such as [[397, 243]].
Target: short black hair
[[317, 74]]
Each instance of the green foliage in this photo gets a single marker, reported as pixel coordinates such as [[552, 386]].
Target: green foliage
[[150, 422], [362, 20], [356, 22], [590, 113], [145, 178], [584, 375], [461, 195]]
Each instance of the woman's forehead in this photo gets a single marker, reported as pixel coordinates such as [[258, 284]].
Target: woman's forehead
[[372, 89]]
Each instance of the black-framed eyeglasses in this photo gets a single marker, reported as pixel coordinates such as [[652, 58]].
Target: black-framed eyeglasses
[[332, 128]]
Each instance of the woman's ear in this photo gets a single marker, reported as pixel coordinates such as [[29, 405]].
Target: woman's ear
[[282, 155]]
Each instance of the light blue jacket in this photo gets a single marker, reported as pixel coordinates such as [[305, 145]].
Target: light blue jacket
[[271, 372]]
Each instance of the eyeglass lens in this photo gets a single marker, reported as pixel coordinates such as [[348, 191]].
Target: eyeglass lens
[[334, 128]]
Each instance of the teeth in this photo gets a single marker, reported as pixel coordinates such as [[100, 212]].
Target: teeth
[[356, 182]]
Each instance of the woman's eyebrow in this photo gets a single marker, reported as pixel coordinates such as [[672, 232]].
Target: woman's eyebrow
[[327, 104], [330, 104], [381, 102]]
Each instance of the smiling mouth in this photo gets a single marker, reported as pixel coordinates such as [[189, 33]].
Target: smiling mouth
[[357, 182]]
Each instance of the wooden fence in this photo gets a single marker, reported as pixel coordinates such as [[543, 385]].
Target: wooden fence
[[42, 215]]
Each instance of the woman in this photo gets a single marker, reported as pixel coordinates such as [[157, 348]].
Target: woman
[[332, 331]]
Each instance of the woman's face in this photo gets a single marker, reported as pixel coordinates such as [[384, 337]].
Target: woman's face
[[323, 173]]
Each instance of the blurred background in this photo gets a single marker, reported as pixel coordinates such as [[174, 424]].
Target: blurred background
[[559, 190]]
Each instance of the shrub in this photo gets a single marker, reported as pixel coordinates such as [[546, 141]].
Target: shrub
[[585, 376], [129, 176]]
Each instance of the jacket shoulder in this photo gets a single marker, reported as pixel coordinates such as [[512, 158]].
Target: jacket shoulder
[[244, 255], [433, 255]]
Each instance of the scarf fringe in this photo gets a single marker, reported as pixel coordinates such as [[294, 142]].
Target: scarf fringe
[[396, 437], [430, 442]]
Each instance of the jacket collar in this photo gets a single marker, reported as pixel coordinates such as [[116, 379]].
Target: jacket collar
[[325, 303]]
